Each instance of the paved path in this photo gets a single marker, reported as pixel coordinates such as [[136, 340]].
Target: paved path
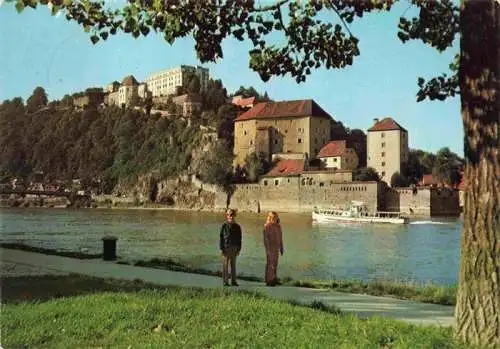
[[362, 305]]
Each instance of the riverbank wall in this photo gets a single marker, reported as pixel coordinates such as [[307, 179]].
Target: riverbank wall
[[290, 195]]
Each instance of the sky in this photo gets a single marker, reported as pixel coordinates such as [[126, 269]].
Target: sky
[[38, 49]]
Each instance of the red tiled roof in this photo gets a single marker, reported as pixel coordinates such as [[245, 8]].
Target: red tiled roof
[[428, 179], [289, 167], [332, 148], [129, 81], [386, 124], [265, 110]]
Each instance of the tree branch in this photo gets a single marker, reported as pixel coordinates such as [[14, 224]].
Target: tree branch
[[275, 6], [340, 16]]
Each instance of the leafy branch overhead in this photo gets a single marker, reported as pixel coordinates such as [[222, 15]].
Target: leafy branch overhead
[[315, 33]]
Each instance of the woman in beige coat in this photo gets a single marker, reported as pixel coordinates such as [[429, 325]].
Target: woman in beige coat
[[273, 242]]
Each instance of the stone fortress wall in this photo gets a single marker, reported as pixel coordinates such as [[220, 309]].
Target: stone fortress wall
[[290, 195]]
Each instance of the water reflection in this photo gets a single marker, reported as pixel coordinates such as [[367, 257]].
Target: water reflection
[[424, 251]]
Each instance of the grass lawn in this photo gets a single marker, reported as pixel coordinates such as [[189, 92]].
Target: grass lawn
[[81, 312]]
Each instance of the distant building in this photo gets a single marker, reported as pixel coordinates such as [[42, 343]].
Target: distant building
[[336, 155], [428, 180], [242, 102], [190, 103], [112, 87], [91, 97], [387, 148], [122, 94], [167, 82], [128, 90], [289, 171], [300, 126]]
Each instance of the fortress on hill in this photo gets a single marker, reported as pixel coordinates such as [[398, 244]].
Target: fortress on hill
[[293, 133]]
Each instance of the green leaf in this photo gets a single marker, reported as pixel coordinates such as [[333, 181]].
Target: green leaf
[[94, 39], [55, 9], [19, 6], [144, 30]]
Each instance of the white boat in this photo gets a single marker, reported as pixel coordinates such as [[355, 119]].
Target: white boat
[[357, 212]]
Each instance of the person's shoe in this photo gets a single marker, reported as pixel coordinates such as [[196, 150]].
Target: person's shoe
[[234, 283], [226, 284]]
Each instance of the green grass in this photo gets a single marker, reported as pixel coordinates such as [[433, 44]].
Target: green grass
[[95, 313], [49, 251], [427, 293]]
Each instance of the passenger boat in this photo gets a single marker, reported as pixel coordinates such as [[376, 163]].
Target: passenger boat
[[357, 212]]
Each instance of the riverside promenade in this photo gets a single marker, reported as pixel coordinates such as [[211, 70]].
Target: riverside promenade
[[15, 262]]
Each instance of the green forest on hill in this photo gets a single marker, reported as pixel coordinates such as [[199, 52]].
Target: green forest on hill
[[104, 146]]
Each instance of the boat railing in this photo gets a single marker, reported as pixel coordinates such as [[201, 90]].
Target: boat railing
[[391, 214]]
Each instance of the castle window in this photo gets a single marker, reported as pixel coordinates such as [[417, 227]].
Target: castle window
[[383, 173], [251, 142], [265, 182], [383, 163], [245, 133], [383, 153], [288, 180], [276, 182], [300, 140], [334, 159], [382, 135], [383, 144], [321, 184]]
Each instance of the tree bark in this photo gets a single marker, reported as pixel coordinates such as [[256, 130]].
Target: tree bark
[[478, 299]]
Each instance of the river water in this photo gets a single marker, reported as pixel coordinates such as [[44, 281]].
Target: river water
[[426, 250]]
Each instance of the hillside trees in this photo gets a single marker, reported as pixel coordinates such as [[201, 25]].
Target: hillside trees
[[447, 167], [217, 164], [255, 166], [37, 100], [104, 146], [247, 92], [365, 174]]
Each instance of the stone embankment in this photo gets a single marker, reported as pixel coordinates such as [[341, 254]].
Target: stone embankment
[[180, 193]]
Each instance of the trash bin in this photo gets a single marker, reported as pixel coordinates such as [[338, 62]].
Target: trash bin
[[109, 248]]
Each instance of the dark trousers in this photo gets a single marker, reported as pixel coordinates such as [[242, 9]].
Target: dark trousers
[[229, 257]]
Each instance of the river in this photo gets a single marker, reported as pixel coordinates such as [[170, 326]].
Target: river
[[426, 250]]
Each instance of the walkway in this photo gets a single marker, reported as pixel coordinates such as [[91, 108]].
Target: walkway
[[362, 305]]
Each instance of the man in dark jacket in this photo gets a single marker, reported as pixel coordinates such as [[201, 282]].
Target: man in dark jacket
[[230, 246]]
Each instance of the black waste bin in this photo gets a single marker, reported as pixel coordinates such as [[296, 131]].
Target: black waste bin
[[109, 248]]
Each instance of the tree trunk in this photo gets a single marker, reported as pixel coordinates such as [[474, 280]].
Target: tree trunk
[[478, 298]]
